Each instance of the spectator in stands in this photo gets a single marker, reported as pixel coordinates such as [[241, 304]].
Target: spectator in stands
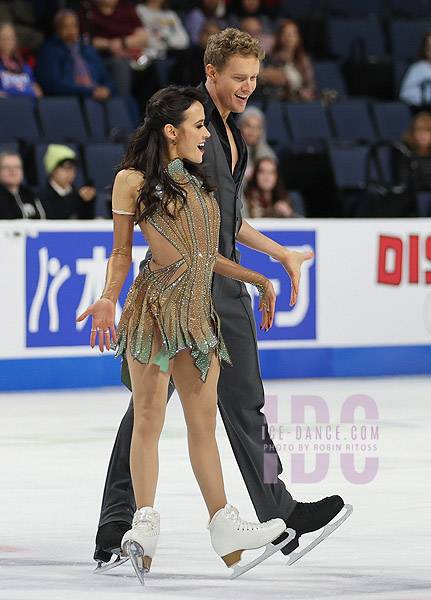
[[16, 201], [194, 72], [253, 26], [240, 9], [60, 199], [288, 70], [165, 30], [418, 139], [117, 33], [416, 84], [252, 125], [68, 67], [265, 194], [16, 76], [209, 10]]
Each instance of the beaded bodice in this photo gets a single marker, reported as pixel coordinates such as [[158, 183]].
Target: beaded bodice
[[177, 297]]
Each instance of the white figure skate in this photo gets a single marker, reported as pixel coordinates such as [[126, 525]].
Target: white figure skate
[[231, 535], [140, 542]]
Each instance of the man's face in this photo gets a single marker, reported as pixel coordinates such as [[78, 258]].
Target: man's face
[[235, 83], [68, 30], [11, 172]]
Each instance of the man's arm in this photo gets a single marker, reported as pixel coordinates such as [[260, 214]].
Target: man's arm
[[291, 260]]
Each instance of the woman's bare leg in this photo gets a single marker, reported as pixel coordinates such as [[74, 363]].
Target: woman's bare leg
[[199, 402], [150, 389]]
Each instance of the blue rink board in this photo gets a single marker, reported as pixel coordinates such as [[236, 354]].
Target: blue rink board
[[87, 372]]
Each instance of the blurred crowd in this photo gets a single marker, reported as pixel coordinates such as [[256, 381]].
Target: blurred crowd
[[102, 49]]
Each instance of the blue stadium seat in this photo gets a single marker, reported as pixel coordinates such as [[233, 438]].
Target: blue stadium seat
[[101, 161], [118, 117], [297, 202], [17, 120], [305, 9], [348, 166], [94, 112], [406, 37], [276, 131], [328, 76], [9, 147], [352, 121], [353, 8], [348, 169], [41, 175], [392, 119], [62, 120], [410, 9], [347, 35], [309, 125]]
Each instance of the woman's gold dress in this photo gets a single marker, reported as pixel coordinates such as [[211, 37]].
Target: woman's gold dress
[[176, 299]]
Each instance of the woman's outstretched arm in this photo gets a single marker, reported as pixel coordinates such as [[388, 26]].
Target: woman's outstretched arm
[[267, 296], [103, 310]]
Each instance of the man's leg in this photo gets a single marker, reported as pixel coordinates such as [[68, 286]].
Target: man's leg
[[118, 502], [241, 399]]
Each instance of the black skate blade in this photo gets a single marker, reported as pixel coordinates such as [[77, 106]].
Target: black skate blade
[[327, 530], [270, 549], [136, 553], [103, 567]]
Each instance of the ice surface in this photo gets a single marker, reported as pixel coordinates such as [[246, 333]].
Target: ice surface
[[54, 453]]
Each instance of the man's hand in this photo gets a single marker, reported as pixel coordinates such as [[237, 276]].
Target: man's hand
[[292, 262]]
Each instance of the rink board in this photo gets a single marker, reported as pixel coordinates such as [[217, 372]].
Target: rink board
[[364, 306]]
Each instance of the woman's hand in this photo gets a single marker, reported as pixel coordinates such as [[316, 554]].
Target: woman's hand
[[103, 313], [267, 306], [292, 262]]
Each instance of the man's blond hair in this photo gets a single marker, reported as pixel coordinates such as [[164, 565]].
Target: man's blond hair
[[229, 42]]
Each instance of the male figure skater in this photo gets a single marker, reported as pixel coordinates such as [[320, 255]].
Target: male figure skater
[[232, 60]]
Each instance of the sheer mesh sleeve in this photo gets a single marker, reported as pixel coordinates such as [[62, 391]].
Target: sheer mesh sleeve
[[120, 259], [231, 269]]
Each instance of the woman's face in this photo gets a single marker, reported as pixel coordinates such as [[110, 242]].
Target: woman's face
[[422, 135], [251, 7], [7, 40], [11, 171], [290, 37], [192, 134], [266, 175], [252, 129]]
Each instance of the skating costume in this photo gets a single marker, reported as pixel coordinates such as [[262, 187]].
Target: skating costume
[[178, 305]]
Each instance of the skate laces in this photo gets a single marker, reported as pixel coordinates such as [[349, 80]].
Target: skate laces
[[241, 524], [147, 519]]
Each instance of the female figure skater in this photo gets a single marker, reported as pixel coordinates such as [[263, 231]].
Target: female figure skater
[[169, 325]]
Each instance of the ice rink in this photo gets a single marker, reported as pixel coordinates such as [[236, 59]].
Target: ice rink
[[54, 453]]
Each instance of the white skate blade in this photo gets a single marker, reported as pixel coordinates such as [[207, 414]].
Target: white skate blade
[[327, 530], [270, 549], [136, 553], [103, 567]]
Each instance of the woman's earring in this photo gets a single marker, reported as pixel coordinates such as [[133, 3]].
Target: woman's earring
[[174, 143]]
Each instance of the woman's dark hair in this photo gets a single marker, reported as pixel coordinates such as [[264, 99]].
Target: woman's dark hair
[[146, 150], [299, 54], [279, 192]]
